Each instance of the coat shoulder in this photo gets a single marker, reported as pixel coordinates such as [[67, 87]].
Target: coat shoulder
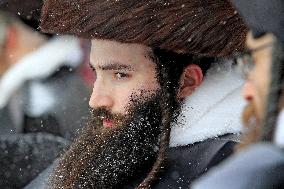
[[186, 163]]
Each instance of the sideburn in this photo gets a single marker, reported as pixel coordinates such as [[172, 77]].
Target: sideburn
[[167, 73]]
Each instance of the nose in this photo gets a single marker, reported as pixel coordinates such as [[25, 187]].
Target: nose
[[248, 91], [100, 97]]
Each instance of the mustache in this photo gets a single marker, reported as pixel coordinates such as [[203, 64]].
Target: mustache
[[103, 113]]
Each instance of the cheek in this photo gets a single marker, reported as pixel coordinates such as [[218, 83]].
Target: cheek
[[125, 95], [262, 70], [261, 81], [254, 92], [149, 83], [122, 99], [260, 93], [259, 106]]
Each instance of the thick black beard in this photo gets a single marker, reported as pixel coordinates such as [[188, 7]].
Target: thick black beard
[[112, 158]]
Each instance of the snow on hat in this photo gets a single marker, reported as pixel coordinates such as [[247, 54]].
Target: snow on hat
[[211, 27]]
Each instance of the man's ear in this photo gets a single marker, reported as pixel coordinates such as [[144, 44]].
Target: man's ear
[[191, 78]]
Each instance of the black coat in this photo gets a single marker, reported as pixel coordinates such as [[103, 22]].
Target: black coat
[[261, 166], [184, 164], [24, 156]]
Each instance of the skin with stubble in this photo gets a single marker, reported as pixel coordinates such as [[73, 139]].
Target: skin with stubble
[[256, 86]]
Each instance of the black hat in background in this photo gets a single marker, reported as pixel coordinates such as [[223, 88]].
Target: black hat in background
[[27, 10], [267, 16], [263, 16]]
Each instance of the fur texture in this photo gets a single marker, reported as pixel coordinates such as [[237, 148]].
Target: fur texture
[[211, 28]]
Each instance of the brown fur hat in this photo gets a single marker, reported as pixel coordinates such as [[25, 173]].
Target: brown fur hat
[[210, 27]]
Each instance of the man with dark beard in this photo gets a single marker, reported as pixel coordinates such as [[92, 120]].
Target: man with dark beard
[[139, 88], [260, 161], [119, 149], [113, 156]]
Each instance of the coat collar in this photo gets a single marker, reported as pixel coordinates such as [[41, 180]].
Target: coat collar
[[214, 109]]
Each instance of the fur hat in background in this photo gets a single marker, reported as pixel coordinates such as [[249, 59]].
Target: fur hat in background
[[210, 28], [263, 16], [26, 10]]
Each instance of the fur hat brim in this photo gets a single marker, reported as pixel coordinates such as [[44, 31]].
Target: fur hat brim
[[211, 28]]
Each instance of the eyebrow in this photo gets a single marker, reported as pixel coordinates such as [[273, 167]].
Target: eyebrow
[[114, 66]]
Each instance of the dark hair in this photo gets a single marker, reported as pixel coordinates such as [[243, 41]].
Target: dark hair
[[170, 66], [173, 64]]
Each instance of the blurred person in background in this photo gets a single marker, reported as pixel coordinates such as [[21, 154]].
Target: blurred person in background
[[41, 89], [141, 83], [259, 164], [42, 94]]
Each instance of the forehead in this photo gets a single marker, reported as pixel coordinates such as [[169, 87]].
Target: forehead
[[253, 43], [104, 51]]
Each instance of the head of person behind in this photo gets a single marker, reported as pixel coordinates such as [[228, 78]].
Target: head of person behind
[[138, 87], [34, 68], [16, 40], [262, 66]]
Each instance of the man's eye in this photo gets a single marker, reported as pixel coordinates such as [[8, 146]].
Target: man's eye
[[120, 75]]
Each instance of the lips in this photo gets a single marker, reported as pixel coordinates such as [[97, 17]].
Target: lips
[[108, 123]]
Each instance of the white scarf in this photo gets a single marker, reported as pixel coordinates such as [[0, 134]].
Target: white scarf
[[214, 109]]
